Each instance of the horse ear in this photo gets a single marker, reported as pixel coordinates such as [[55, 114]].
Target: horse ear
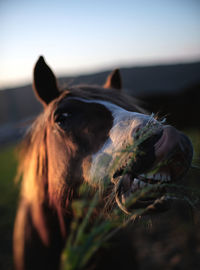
[[44, 82], [114, 80]]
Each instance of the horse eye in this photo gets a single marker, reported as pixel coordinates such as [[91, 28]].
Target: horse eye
[[61, 118], [65, 114]]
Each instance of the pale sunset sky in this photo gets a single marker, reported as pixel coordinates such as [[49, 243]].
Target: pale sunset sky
[[86, 36]]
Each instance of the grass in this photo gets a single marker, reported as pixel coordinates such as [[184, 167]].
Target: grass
[[85, 240], [8, 204], [87, 237]]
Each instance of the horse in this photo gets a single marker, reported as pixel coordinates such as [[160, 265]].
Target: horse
[[80, 127]]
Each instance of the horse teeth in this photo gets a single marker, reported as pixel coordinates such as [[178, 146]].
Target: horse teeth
[[164, 177], [142, 184], [146, 176], [157, 176], [133, 187], [168, 178], [136, 182]]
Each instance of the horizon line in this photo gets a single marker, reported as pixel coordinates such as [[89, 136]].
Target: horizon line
[[101, 69]]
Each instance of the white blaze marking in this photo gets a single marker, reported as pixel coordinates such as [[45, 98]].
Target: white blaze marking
[[124, 122], [120, 135]]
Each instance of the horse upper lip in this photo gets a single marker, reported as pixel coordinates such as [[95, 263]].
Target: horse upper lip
[[167, 142], [174, 145], [170, 139]]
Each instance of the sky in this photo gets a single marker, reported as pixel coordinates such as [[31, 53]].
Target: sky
[[86, 36]]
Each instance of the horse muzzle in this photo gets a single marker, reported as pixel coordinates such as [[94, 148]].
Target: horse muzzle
[[174, 148], [164, 158]]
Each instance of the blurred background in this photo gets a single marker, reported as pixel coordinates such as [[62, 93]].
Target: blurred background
[[156, 45]]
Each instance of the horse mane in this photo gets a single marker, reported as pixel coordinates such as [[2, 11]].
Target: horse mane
[[33, 161]]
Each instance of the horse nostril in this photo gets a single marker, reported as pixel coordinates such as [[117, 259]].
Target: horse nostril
[[150, 141], [147, 132]]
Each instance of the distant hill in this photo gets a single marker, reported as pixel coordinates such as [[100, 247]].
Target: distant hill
[[19, 103], [181, 108], [148, 79]]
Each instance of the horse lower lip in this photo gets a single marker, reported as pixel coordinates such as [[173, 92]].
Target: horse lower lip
[[127, 186]]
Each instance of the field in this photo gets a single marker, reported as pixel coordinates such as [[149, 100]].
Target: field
[[168, 241], [8, 204]]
